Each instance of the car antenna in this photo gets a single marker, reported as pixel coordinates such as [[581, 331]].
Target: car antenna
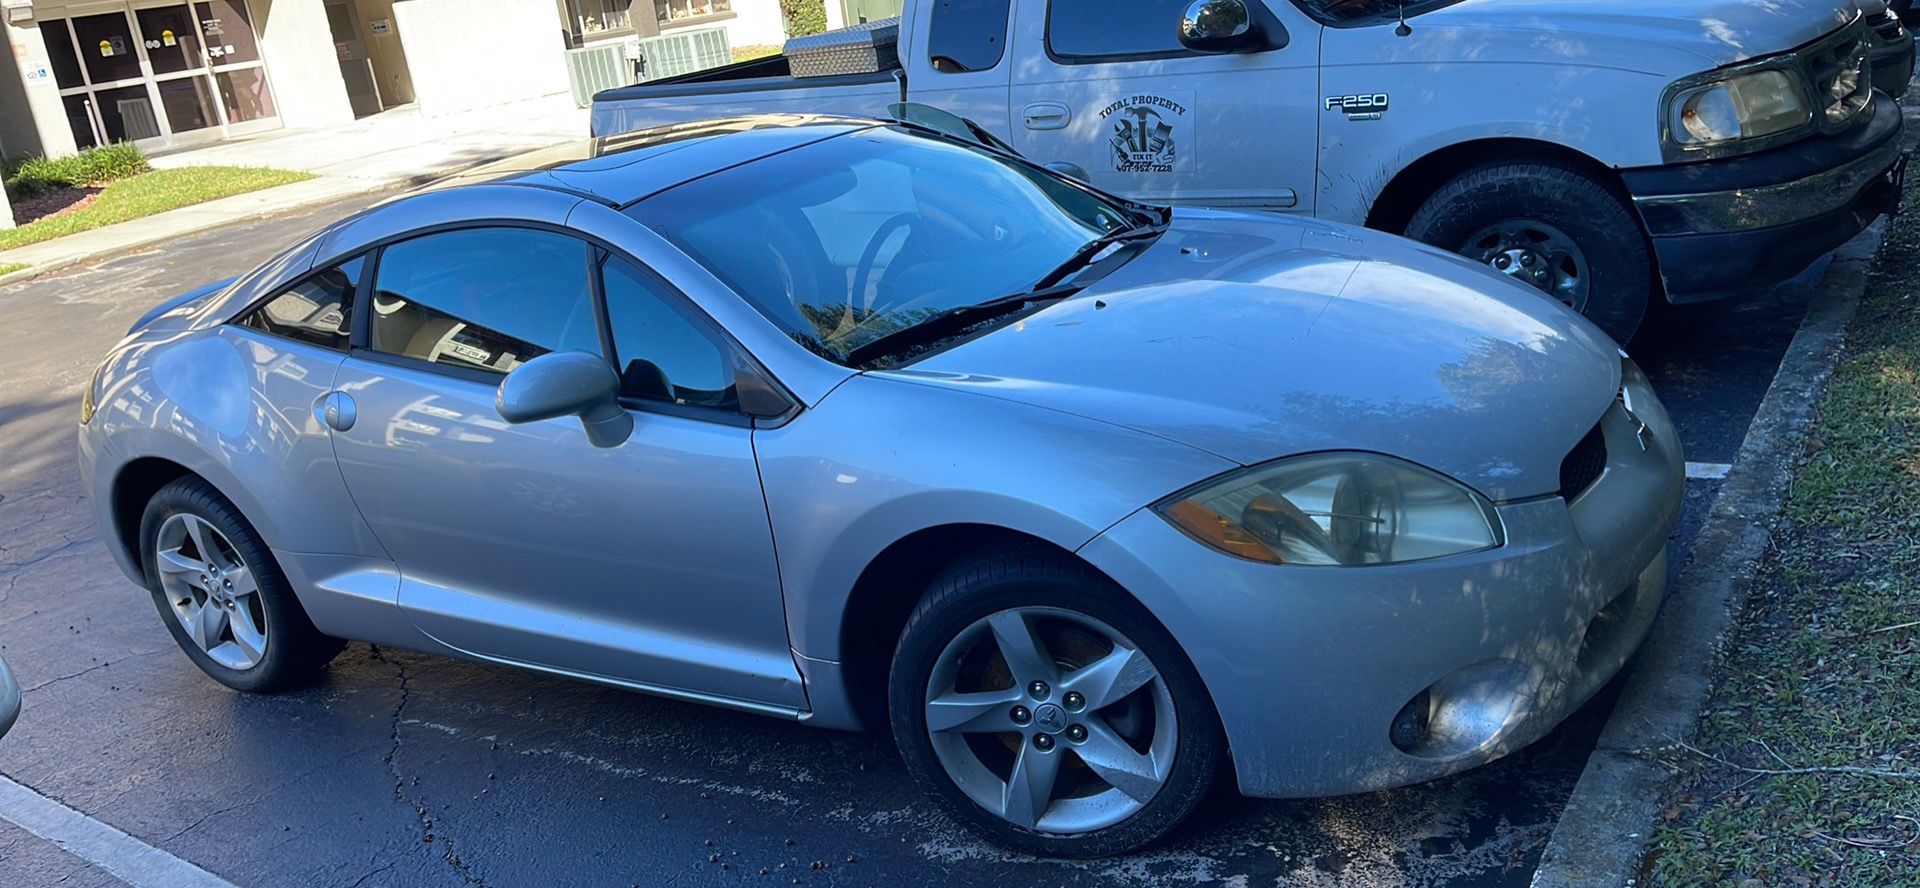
[[1405, 30]]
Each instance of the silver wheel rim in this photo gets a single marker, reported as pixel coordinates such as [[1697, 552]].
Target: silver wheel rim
[[1536, 254], [1038, 725], [211, 591]]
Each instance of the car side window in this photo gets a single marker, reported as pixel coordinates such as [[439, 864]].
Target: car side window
[[487, 299], [318, 310], [1095, 28], [662, 353], [967, 35]]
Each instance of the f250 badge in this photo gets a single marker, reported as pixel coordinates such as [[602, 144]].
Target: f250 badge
[[1368, 107]]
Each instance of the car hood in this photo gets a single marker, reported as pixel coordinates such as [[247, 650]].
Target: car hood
[[1257, 337], [1722, 31]]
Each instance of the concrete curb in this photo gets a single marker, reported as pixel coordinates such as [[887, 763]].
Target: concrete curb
[[1600, 835]]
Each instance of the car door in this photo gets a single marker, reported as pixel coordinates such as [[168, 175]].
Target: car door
[[1104, 90], [648, 563]]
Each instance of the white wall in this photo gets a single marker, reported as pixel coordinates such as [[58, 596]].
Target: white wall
[[467, 54], [32, 118], [298, 48], [753, 22]]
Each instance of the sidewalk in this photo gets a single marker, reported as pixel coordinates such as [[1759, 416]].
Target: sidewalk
[[389, 151]]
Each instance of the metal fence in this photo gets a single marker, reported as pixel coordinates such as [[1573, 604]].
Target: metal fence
[[607, 65]]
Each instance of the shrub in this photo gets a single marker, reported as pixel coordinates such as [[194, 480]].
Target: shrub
[[803, 17], [34, 176]]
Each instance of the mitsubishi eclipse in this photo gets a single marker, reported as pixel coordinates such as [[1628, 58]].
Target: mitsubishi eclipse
[[1092, 504]]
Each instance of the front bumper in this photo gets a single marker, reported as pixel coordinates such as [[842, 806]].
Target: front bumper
[[1724, 227], [1311, 668]]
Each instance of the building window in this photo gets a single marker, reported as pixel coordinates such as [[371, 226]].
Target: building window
[[673, 12], [589, 19]]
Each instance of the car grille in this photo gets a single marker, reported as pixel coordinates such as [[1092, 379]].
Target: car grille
[[1584, 465], [1842, 79]]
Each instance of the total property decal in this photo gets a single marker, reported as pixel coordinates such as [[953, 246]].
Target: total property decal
[[1151, 132]]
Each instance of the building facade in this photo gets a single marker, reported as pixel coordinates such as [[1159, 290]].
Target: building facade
[[167, 74]]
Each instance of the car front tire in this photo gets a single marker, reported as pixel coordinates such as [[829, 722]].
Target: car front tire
[[223, 596], [1556, 228], [1048, 711]]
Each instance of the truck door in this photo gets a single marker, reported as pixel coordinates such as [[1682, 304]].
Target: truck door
[[1105, 90]]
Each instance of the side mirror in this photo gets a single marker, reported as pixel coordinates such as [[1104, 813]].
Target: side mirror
[[9, 699], [567, 383], [1221, 26]]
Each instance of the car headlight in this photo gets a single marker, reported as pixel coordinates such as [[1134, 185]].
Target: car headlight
[[1336, 509], [90, 396], [1737, 107]]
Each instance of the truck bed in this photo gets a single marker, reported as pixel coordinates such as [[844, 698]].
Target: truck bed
[[757, 86]]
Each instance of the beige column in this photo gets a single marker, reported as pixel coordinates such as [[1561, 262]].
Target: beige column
[[297, 45], [32, 120]]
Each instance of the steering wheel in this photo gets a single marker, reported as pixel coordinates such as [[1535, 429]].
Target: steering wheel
[[871, 255]]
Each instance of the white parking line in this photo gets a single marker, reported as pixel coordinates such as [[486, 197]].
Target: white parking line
[[127, 858], [1708, 471]]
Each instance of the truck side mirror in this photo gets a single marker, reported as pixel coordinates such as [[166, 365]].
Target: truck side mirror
[[568, 383], [1224, 26]]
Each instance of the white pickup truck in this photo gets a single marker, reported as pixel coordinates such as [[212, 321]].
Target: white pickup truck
[[1609, 152]]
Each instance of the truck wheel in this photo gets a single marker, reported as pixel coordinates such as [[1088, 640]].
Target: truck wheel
[[1554, 227], [1048, 711]]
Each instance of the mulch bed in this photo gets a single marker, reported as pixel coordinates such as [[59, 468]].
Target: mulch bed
[[58, 202]]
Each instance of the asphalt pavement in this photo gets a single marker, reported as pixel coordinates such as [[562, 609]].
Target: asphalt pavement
[[407, 770]]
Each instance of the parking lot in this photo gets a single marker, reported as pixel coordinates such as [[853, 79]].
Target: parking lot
[[401, 769]]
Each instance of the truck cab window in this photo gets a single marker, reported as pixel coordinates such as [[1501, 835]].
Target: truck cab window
[[967, 35], [1097, 28]]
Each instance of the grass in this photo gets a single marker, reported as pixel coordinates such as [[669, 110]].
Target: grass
[[1824, 671], [11, 267], [149, 193], [33, 176], [754, 51]]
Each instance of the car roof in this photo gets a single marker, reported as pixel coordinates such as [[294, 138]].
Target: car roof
[[621, 170]]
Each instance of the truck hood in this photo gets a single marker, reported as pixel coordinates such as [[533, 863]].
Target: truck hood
[[1257, 337], [1723, 32]]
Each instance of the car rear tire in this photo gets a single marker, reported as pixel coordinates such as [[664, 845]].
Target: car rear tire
[[1115, 747], [223, 596], [1557, 228]]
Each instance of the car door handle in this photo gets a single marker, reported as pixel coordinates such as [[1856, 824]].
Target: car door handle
[[1046, 116], [337, 410], [1070, 170]]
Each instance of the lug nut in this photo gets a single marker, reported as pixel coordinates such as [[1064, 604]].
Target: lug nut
[[1526, 259], [227, 583], [1502, 263], [1039, 690], [1074, 701], [1077, 733], [1043, 742], [1020, 715]]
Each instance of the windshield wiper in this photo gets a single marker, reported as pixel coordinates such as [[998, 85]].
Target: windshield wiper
[[1095, 250], [954, 320]]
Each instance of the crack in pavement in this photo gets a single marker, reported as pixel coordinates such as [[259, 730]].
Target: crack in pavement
[[54, 681], [428, 836], [363, 879]]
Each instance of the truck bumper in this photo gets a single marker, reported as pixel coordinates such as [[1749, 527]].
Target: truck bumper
[[1724, 227]]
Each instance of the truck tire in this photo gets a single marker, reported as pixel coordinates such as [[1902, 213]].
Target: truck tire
[[1557, 228]]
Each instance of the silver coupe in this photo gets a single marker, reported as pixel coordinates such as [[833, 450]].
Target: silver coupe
[[866, 424]]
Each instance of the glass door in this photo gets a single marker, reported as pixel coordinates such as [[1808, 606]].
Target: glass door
[[171, 38], [239, 75], [103, 80]]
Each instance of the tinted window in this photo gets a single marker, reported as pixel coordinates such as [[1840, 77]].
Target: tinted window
[[967, 35], [317, 310], [487, 299], [846, 240], [662, 354], [1114, 27]]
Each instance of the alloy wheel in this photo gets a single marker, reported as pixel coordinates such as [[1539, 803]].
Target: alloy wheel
[[1537, 254], [1052, 720], [211, 591]]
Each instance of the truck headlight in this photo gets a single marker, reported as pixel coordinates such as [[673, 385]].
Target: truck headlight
[[1335, 509], [1736, 107]]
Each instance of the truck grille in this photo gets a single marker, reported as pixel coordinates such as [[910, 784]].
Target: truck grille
[[1842, 78], [1584, 465]]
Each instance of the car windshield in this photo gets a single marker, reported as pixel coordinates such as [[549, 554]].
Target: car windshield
[[847, 240], [1356, 10]]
